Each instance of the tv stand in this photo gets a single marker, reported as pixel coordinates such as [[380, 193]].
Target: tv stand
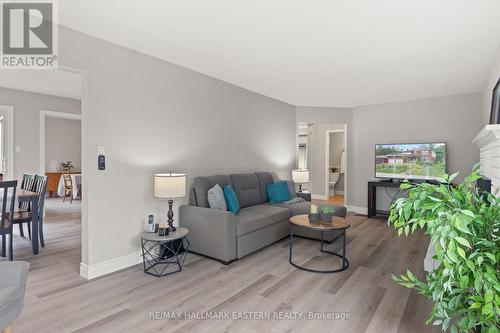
[[372, 196]]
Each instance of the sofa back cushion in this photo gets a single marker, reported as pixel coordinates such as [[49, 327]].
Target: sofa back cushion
[[264, 178], [201, 185], [247, 189]]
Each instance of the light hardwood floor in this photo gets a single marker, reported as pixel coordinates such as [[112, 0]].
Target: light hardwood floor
[[58, 300], [336, 200]]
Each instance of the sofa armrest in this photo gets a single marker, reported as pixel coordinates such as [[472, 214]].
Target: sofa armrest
[[14, 274], [304, 195], [212, 232]]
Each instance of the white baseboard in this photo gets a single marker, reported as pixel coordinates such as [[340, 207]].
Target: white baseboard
[[339, 192], [319, 197], [357, 209], [90, 272]]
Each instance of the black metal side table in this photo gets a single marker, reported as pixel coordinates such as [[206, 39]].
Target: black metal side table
[[160, 253]]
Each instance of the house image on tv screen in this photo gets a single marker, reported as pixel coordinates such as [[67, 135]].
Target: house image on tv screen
[[423, 155], [422, 161]]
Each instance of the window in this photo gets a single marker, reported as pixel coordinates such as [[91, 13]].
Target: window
[[302, 158]]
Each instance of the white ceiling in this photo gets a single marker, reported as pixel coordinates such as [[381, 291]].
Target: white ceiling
[[310, 52], [49, 82]]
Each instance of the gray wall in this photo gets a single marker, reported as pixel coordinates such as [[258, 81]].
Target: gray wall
[[492, 79], [153, 116], [453, 119], [63, 141], [27, 108]]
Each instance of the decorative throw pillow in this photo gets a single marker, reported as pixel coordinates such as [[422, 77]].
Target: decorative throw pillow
[[216, 198], [278, 192], [231, 199]]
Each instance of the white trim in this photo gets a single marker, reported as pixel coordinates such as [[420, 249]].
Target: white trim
[[90, 272], [319, 197], [339, 192], [357, 209], [10, 174], [51, 114]]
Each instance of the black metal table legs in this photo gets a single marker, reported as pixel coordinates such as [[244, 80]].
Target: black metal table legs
[[159, 256], [345, 262]]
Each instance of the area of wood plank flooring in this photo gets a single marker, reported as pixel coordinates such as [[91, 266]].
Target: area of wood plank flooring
[[59, 300]]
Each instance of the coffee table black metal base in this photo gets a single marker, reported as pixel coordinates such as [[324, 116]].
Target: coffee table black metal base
[[345, 262], [160, 256]]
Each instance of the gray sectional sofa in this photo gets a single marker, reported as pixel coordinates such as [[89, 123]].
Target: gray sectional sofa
[[225, 236]]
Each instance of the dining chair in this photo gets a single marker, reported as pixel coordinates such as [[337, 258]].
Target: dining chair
[[26, 184], [8, 193], [21, 216], [68, 187]]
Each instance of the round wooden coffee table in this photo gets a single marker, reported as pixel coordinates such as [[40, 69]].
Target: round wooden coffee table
[[337, 223]]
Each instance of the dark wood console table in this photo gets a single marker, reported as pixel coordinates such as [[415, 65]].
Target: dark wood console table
[[372, 197]]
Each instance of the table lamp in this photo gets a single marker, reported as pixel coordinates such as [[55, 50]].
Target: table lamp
[[300, 177], [168, 186]]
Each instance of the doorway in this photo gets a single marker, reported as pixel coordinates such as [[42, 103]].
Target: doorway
[[313, 154], [336, 165]]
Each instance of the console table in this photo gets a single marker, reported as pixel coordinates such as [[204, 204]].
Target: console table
[[372, 197]]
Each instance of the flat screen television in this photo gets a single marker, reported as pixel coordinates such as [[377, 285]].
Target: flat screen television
[[421, 161]]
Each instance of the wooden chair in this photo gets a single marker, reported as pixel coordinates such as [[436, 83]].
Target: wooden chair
[[8, 192], [68, 187], [26, 184], [21, 216]]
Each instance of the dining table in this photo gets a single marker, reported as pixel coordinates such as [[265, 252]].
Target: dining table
[[32, 197]]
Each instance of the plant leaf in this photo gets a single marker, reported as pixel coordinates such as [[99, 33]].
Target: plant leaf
[[463, 241]]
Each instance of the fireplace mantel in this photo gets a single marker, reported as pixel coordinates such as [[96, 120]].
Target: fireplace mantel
[[488, 141]]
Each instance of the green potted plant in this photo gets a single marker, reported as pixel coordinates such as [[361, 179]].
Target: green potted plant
[[464, 227]]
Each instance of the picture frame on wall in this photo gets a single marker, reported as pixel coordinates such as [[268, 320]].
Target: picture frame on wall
[[495, 105]]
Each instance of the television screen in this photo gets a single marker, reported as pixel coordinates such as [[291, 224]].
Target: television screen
[[425, 161]]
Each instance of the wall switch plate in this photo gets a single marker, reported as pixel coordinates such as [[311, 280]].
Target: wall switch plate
[[17, 148], [101, 150], [101, 158]]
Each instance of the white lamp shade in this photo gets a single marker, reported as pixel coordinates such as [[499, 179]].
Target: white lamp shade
[[170, 185], [300, 176]]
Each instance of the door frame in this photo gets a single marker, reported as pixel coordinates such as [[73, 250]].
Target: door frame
[[327, 160], [44, 114], [9, 145]]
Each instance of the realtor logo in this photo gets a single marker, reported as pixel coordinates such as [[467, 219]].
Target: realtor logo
[[29, 34]]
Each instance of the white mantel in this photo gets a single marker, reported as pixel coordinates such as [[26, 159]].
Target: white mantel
[[488, 141]]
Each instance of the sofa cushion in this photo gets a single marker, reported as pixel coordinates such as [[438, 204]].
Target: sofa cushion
[[216, 198], [291, 188], [278, 192], [201, 185], [295, 208], [274, 213], [246, 187], [248, 221], [264, 178]]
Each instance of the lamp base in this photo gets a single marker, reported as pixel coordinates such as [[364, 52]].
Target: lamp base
[[300, 188], [170, 216]]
